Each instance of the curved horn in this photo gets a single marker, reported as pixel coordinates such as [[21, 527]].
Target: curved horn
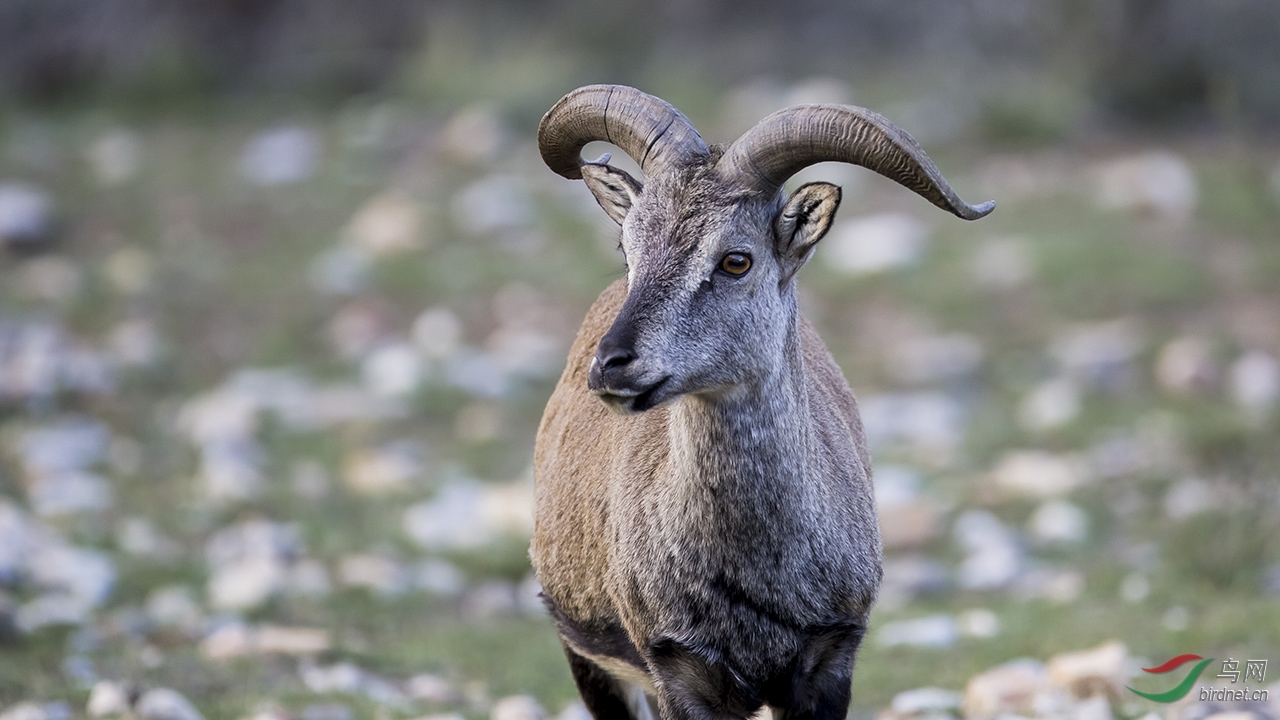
[[648, 129], [790, 140]]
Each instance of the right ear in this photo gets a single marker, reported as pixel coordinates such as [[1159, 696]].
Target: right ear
[[615, 190]]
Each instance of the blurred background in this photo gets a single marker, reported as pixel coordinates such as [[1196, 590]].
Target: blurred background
[[284, 287]]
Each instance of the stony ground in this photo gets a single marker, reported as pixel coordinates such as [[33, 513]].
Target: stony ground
[[269, 385]]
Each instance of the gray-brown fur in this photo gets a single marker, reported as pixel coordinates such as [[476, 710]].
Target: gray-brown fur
[[705, 527]]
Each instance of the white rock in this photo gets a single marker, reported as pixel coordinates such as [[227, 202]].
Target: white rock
[[1255, 380], [310, 480], [135, 343], [1050, 405], [430, 688], [392, 370], [25, 711], [439, 577], [1135, 588], [1159, 182], [58, 608], [1037, 474], [130, 270], [1099, 354], [373, 572], [1058, 586], [107, 698], [342, 677], [341, 270], [1101, 671], [465, 515], [68, 492], [115, 156], [496, 202], [1002, 264], [16, 532], [474, 135], [357, 328], [1189, 497], [253, 538], [575, 711], [86, 574], [73, 443], [978, 623], [1176, 618], [993, 558], [292, 640], [876, 243], [1093, 708], [1186, 366], [245, 583], [928, 421], [925, 701], [231, 470], [525, 351], [907, 517], [174, 606], [391, 468], [1058, 521], [280, 156], [26, 215], [517, 707], [138, 536], [250, 563], [933, 631], [1008, 689], [387, 224], [230, 640], [934, 358], [308, 577], [907, 576], [166, 704], [478, 373], [437, 333]]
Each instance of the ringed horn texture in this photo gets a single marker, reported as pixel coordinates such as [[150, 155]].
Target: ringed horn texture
[[790, 140], [660, 138], [650, 130]]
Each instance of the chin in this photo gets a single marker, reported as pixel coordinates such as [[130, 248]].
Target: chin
[[635, 403]]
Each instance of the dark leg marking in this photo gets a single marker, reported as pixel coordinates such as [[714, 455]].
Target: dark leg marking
[[604, 696], [698, 684], [819, 687]]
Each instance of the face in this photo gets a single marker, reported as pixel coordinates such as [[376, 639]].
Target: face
[[710, 291]]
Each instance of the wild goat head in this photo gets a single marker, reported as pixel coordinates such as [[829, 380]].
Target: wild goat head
[[711, 246]]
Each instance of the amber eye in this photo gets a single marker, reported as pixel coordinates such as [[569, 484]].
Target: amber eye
[[736, 263]]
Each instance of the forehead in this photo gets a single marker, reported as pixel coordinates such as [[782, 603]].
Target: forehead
[[681, 214]]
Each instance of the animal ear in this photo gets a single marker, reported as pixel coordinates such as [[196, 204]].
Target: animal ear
[[805, 219], [614, 189]]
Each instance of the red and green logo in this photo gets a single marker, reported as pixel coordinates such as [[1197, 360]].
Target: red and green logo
[[1182, 688]]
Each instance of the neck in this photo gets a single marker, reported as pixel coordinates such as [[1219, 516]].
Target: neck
[[755, 435]]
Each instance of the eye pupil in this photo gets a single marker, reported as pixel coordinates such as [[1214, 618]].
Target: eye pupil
[[735, 263]]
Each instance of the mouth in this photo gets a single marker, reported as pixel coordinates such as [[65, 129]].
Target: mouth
[[629, 401]]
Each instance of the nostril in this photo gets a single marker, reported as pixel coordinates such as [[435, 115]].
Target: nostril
[[614, 357]]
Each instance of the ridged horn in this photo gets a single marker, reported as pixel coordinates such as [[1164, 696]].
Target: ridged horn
[[650, 130], [788, 141]]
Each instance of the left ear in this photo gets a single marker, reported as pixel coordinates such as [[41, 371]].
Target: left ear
[[805, 219]]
